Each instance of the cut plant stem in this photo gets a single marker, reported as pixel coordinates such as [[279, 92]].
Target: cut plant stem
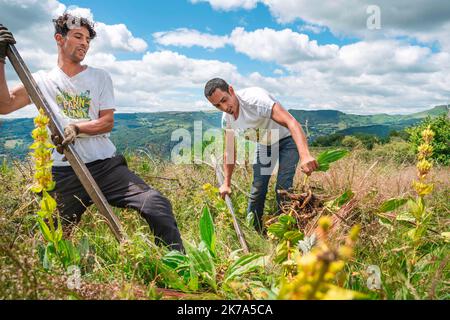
[[305, 181]]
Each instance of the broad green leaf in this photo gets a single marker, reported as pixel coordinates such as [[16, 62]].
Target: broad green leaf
[[36, 188], [293, 236], [392, 204], [193, 282], [207, 233], [68, 253], [172, 278], [250, 218], [58, 233], [287, 220], [42, 214], [405, 216], [281, 252], [243, 265], [202, 263], [386, 222], [327, 157], [174, 259], [45, 230], [277, 229], [416, 208], [344, 198], [411, 234], [51, 186]]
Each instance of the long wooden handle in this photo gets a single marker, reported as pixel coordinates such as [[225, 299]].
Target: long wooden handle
[[229, 204], [70, 153]]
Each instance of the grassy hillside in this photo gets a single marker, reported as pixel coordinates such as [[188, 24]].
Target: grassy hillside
[[134, 270]]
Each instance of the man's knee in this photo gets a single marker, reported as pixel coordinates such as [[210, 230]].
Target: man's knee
[[285, 181], [157, 210], [153, 202], [259, 188]]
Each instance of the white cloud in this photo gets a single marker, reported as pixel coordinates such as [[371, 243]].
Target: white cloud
[[369, 76], [419, 19], [230, 4], [284, 47], [278, 71], [117, 37], [31, 23], [312, 28], [188, 37]]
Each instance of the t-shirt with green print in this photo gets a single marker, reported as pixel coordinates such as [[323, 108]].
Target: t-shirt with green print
[[78, 99]]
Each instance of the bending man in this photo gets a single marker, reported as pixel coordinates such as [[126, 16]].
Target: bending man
[[255, 113]]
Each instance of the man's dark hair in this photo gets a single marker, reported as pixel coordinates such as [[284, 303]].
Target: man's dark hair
[[65, 22], [214, 84]]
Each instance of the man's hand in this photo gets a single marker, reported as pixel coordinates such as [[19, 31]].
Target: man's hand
[[70, 134], [308, 164], [224, 190], [6, 38]]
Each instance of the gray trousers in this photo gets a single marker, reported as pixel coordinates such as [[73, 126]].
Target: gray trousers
[[123, 189]]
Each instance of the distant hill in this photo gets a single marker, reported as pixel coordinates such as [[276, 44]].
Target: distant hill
[[153, 130]]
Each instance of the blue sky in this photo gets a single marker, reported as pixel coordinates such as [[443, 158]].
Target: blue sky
[[310, 55], [144, 18]]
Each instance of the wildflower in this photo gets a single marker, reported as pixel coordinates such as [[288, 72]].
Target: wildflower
[[42, 155], [428, 135], [422, 189], [425, 151], [424, 167], [318, 269], [325, 223]]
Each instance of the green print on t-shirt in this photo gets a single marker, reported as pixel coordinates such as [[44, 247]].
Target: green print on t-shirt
[[74, 106]]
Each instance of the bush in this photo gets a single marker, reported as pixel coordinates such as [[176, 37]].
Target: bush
[[332, 140], [397, 151], [441, 143], [351, 142]]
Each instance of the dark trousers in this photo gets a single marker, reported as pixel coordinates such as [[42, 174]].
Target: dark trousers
[[123, 189], [286, 154]]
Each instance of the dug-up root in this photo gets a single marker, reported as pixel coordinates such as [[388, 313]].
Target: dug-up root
[[304, 207], [338, 221], [307, 208]]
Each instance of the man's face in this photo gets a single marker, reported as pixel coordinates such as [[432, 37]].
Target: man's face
[[225, 101], [75, 44]]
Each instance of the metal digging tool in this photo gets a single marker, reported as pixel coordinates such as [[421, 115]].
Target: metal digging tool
[[70, 153], [236, 226]]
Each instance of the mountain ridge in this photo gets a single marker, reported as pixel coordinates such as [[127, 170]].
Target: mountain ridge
[[154, 130]]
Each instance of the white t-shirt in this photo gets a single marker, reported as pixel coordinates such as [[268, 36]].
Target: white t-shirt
[[79, 99], [254, 121]]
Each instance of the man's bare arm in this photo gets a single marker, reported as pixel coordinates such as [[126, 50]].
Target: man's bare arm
[[104, 124], [13, 100], [18, 97], [229, 162], [284, 118]]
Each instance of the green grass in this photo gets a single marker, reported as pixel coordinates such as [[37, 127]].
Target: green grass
[[134, 270]]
